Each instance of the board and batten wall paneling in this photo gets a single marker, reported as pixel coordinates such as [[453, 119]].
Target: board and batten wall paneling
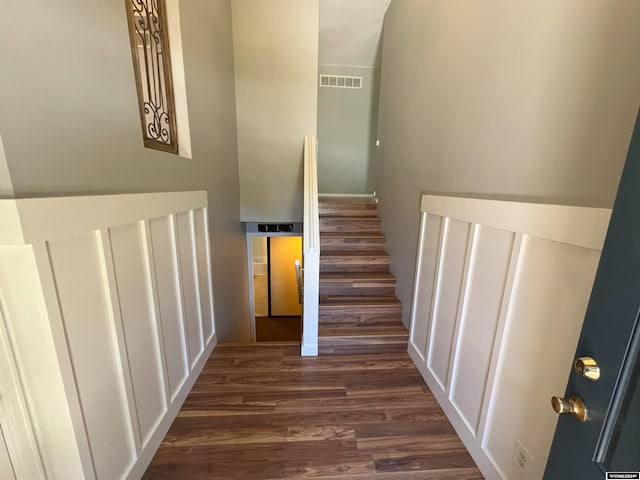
[[99, 296], [500, 293]]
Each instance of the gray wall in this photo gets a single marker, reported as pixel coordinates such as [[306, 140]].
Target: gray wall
[[347, 129], [70, 125], [530, 99], [349, 44], [276, 56], [6, 186]]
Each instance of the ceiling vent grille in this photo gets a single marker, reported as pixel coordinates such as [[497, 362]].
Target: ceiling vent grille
[[340, 81]]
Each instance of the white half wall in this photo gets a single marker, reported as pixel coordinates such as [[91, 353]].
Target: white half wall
[[501, 290], [107, 316], [275, 47]]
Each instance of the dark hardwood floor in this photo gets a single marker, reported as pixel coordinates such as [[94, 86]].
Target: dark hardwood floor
[[278, 329], [264, 412]]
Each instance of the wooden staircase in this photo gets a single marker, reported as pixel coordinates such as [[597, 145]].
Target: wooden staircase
[[359, 312]]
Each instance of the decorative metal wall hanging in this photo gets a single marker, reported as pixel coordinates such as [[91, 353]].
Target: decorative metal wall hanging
[[152, 66]]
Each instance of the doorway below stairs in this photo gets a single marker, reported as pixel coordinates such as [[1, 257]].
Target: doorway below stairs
[[276, 311]]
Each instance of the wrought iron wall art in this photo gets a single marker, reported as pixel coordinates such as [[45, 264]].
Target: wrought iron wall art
[[152, 67]]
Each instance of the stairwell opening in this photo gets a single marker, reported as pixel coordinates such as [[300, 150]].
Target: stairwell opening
[[276, 314]]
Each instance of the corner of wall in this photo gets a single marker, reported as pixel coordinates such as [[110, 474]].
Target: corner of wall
[[6, 186]]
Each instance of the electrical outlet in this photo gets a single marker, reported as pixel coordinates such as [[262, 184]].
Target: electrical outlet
[[521, 456]]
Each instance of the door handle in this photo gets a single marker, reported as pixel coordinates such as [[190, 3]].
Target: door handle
[[574, 406]]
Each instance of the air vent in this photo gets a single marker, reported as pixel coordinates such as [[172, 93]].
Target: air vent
[[340, 81]]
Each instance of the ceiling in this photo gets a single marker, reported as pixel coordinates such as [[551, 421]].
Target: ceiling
[[351, 32]]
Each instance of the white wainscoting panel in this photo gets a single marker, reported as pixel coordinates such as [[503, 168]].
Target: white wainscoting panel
[[203, 251], [500, 294], [451, 265], [91, 342], [189, 281], [427, 262], [106, 319], [165, 262], [133, 281], [482, 299]]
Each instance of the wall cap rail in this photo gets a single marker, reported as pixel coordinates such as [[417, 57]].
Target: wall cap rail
[[576, 225], [27, 221]]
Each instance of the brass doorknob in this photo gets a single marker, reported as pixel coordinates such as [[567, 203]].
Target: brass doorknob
[[587, 367], [574, 406]]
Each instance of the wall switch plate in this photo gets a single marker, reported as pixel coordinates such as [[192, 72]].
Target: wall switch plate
[[521, 456]]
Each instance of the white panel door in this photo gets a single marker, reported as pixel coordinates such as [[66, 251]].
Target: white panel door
[[6, 469], [78, 268], [455, 235], [139, 325], [165, 260]]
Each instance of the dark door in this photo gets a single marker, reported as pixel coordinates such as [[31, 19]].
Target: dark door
[[609, 440]]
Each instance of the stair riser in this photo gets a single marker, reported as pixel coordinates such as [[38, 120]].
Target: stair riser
[[362, 207], [354, 268], [362, 344], [352, 244], [361, 349], [344, 288], [349, 225]]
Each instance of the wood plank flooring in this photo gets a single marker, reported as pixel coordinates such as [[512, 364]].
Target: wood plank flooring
[[265, 413]]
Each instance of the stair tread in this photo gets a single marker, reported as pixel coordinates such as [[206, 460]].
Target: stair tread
[[355, 329], [359, 300], [346, 197], [354, 253]]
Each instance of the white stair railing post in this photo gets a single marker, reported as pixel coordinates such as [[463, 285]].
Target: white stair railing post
[[311, 250]]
